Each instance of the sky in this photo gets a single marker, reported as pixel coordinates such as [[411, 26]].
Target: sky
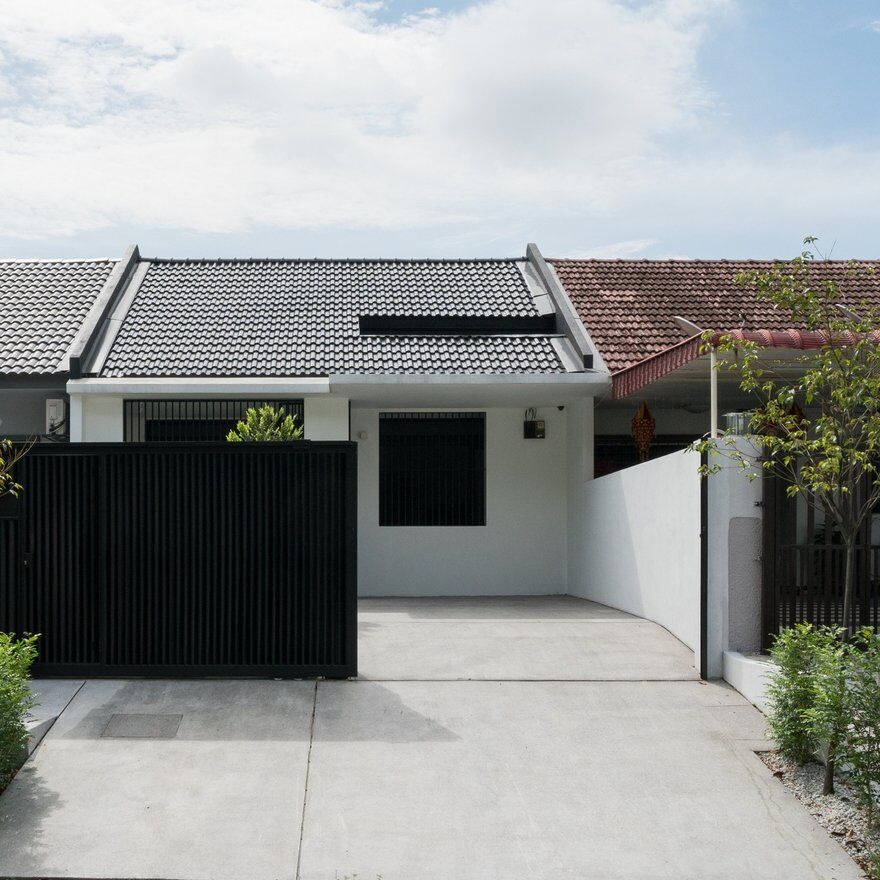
[[299, 128]]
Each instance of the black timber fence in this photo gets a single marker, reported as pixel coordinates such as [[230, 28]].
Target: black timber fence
[[184, 560]]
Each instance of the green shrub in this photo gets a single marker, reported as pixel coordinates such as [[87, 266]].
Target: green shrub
[[16, 658], [872, 866], [791, 690], [265, 424], [829, 713], [860, 746]]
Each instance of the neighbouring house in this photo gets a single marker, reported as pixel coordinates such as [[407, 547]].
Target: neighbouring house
[[645, 318], [44, 311]]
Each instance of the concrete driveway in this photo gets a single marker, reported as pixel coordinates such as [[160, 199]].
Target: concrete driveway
[[455, 756]]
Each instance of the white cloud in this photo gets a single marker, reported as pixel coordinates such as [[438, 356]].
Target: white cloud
[[224, 116], [218, 116], [615, 250]]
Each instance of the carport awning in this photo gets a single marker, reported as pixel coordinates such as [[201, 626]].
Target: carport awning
[[630, 379]]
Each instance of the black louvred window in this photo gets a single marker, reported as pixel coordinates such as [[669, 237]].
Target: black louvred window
[[193, 421], [432, 469]]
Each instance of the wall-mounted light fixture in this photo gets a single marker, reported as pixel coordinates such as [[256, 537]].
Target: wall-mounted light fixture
[[533, 427]]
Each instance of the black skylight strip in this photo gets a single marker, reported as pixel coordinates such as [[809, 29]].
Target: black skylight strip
[[456, 325]]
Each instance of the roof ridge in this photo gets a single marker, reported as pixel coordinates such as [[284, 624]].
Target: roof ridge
[[692, 260], [7, 260], [316, 260]]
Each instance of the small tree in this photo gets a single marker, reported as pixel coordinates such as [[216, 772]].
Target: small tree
[[265, 424], [827, 715], [10, 455], [819, 424], [791, 691]]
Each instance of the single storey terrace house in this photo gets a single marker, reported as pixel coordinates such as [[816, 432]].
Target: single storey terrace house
[[467, 385]]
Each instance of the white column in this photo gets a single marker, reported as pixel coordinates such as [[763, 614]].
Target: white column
[[713, 393], [75, 418]]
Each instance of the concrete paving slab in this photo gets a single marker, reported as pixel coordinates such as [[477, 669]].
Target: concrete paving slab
[[432, 777], [513, 639], [577, 780], [52, 696], [222, 798]]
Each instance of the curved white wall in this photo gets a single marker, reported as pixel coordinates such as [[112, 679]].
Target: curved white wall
[[634, 542]]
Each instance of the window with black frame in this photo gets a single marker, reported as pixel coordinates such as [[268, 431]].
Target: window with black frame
[[432, 469]]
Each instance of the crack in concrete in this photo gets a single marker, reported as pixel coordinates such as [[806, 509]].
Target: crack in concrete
[[302, 822]]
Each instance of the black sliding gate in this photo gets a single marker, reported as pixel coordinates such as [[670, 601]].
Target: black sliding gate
[[804, 563], [171, 559]]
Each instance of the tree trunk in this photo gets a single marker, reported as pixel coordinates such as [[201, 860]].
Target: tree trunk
[[848, 578], [828, 782]]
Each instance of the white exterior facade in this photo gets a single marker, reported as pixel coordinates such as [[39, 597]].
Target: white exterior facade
[[522, 549], [630, 540]]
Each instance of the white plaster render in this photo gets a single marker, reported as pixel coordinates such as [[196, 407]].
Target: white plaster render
[[520, 550], [634, 542]]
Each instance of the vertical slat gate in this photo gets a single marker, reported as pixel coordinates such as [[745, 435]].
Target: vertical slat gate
[[803, 569], [185, 559]]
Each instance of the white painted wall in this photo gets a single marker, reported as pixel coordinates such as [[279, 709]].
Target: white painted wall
[[96, 418], [734, 583], [520, 551], [634, 542], [23, 411], [750, 675], [99, 418], [325, 418]]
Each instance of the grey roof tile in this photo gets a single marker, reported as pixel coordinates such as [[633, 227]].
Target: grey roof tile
[[300, 318], [42, 305]]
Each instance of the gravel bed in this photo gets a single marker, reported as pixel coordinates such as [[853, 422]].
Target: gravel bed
[[838, 813]]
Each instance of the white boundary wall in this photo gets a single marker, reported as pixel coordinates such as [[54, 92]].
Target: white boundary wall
[[749, 675], [634, 542]]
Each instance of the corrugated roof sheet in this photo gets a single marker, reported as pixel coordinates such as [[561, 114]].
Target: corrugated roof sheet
[[628, 306], [42, 305], [300, 318]]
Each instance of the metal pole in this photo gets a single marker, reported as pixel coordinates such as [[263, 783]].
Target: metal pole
[[713, 392]]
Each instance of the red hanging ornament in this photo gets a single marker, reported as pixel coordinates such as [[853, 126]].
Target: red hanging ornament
[[643, 425]]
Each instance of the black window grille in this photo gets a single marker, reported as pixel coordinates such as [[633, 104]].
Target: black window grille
[[192, 421], [432, 469]]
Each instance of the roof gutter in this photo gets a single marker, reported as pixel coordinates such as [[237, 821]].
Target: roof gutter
[[92, 327]]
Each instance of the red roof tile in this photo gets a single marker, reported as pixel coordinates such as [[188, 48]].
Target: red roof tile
[[628, 306]]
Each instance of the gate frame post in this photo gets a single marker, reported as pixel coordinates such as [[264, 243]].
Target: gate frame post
[[769, 559]]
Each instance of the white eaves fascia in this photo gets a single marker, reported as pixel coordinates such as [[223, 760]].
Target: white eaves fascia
[[211, 386], [591, 378]]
